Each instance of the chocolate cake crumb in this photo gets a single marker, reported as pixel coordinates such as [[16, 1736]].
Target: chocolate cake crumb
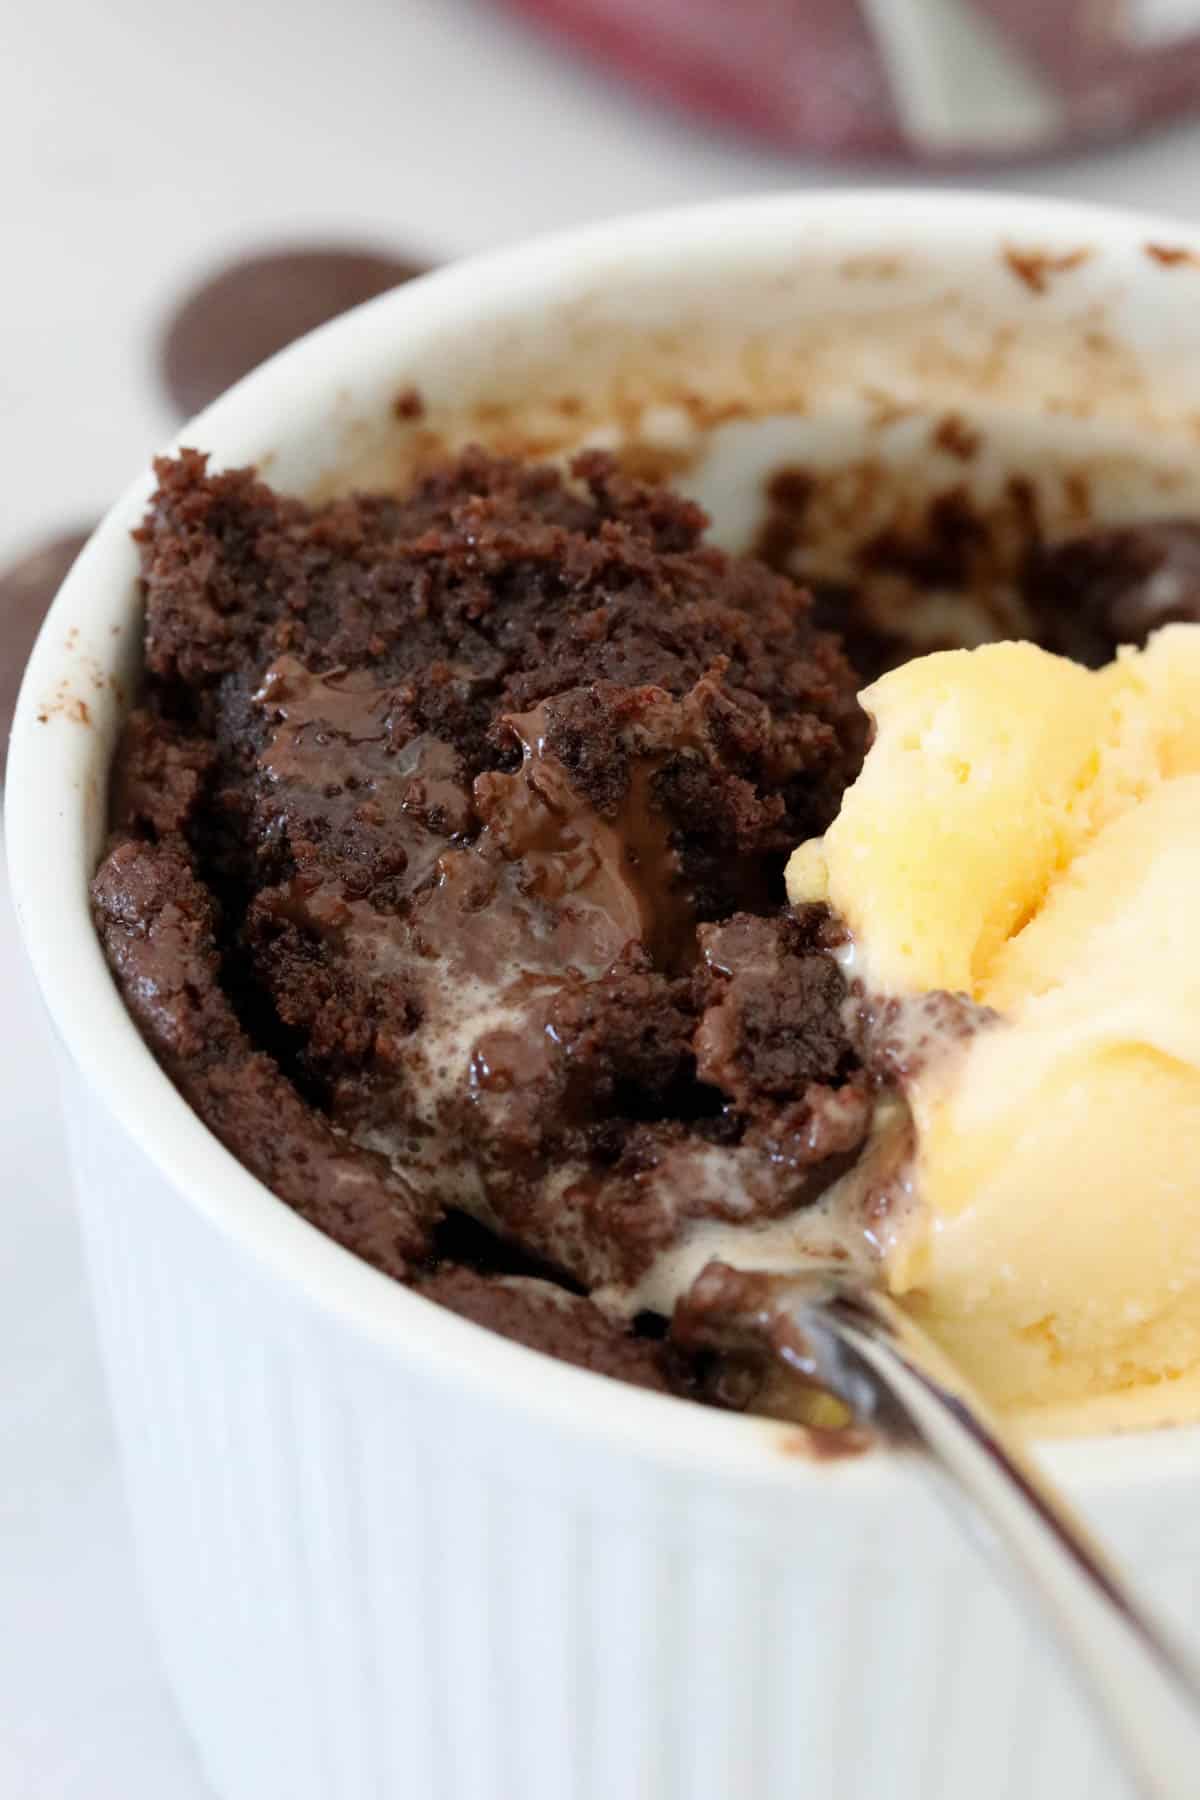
[[158, 926], [1092, 593], [436, 831], [565, 1325]]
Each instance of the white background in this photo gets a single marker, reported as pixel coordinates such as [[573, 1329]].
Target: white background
[[140, 142]]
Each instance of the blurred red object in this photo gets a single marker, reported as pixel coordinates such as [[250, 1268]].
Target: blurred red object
[[932, 79], [1115, 63]]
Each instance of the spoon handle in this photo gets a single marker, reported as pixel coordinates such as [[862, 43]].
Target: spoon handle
[[869, 1352]]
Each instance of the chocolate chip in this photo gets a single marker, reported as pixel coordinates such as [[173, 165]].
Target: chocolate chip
[[26, 590], [257, 305]]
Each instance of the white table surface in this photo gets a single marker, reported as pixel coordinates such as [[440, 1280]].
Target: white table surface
[[140, 142]]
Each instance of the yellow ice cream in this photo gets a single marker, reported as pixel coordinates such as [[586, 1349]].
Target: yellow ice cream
[[1028, 832]]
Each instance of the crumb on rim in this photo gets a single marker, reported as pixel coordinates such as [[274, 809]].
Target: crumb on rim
[[1035, 267], [408, 404], [1173, 256]]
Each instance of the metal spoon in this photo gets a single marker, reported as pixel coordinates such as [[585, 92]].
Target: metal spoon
[[847, 1337]]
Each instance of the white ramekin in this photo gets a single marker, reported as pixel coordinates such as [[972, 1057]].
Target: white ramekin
[[385, 1552]]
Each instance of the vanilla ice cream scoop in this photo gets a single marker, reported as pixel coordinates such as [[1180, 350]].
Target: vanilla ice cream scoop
[[1027, 833]]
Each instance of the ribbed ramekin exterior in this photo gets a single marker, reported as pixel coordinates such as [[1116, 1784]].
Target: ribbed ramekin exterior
[[370, 1578], [367, 1584]]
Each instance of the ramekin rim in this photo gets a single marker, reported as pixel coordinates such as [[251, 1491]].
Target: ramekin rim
[[101, 1040]]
